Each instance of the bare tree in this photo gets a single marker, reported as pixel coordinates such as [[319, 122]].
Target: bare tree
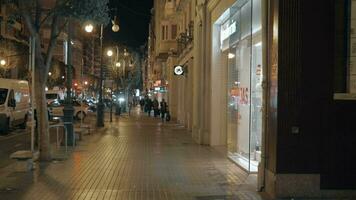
[[52, 14]]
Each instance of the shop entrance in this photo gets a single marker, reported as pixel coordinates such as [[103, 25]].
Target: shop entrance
[[240, 40]]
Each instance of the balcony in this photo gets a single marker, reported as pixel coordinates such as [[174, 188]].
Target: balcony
[[185, 40], [164, 47]]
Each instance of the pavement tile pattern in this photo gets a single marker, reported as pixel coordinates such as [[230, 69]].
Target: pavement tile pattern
[[136, 158]]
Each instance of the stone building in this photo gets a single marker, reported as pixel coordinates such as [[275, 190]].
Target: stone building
[[271, 82], [13, 45]]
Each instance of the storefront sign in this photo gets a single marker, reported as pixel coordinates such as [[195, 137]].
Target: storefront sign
[[178, 70], [227, 29]]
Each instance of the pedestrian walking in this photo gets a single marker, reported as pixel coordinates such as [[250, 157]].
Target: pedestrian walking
[[155, 107], [130, 106], [148, 106], [142, 104], [163, 109]]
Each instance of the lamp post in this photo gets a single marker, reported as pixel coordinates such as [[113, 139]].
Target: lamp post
[[110, 53], [118, 66], [68, 109], [100, 107]]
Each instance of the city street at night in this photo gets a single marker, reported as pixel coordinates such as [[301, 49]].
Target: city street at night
[[177, 99]]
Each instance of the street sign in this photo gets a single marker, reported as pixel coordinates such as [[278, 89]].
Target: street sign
[[178, 70]]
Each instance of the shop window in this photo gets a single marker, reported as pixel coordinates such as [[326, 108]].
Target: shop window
[[241, 46], [345, 53]]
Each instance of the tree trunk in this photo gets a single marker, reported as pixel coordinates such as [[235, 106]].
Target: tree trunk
[[41, 105]]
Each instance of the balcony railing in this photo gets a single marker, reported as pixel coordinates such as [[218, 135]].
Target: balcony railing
[[186, 38]]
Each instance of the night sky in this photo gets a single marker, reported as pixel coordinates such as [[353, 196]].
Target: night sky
[[134, 17]]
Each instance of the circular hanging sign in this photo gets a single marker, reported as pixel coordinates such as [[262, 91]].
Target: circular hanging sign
[[178, 70]]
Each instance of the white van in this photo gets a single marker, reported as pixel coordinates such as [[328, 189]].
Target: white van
[[14, 104]]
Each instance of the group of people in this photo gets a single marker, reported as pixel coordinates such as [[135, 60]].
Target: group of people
[[159, 108]]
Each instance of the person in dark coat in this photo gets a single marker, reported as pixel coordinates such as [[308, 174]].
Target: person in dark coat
[[155, 107], [142, 104], [163, 109], [148, 106]]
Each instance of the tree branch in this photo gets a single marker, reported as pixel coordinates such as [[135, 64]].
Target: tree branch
[[52, 42], [50, 13], [58, 6], [38, 15], [28, 19]]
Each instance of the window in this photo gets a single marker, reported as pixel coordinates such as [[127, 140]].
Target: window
[[166, 33], [18, 97], [174, 32], [163, 32], [352, 46], [11, 97], [345, 50], [3, 95], [241, 54], [52, 96]]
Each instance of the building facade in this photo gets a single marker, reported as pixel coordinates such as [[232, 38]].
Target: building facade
[[13, 44], [272, 82]]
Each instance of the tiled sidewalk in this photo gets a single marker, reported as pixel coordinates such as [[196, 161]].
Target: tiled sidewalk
[[136, 158]]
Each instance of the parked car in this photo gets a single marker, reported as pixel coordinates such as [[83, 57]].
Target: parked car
[[53, 95], [14, 104], [91, 103], [80, 110]]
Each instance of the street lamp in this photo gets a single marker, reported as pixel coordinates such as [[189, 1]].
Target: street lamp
[[115, 25], [2, 62], [89, 28], [100, 108], [49, 73], [109, 53], [118, 64]]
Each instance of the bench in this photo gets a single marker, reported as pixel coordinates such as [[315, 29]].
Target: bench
[[24, 160]]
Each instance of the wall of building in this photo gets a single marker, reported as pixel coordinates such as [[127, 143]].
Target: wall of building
[[309, 135]]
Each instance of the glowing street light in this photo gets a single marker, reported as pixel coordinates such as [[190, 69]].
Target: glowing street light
[[115, 25], [2, 62], [109, 53], [118, 64], [49, 73], [89, 28], [86, 83], [115, 28]]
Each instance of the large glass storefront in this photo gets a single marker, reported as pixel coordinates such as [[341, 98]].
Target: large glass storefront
[[241, 46]]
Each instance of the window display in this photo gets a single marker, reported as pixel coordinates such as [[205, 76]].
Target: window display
[[241, 45]]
